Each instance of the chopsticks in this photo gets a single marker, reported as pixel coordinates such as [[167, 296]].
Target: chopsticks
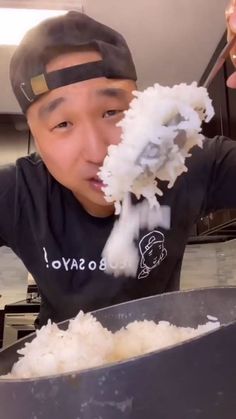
[[219, 61]]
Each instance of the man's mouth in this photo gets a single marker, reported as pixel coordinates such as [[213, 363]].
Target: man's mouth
[[96, 183]]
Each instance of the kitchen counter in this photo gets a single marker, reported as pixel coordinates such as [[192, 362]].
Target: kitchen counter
[[209, 264]]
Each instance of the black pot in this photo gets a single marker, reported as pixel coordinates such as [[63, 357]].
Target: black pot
[[196, 379]]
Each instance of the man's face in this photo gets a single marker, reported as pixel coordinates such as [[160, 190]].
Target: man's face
[[73, 127]]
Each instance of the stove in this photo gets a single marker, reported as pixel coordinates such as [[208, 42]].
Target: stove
[[19, 319]]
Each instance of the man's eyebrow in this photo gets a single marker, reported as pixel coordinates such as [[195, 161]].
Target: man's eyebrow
[[46, 110], [112, 92]]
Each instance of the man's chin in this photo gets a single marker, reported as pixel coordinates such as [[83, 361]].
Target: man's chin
[[96, 204], [98, 210]]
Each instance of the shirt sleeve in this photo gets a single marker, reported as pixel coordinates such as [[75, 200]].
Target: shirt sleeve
[[221, 182], [7, 205]]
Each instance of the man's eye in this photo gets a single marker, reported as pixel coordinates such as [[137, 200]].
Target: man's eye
[[64, 124], [111, 112]]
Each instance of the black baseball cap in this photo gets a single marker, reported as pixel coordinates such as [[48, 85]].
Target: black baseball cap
[[28, 75]]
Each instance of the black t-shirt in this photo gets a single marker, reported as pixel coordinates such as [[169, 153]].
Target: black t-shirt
[[60, 244]]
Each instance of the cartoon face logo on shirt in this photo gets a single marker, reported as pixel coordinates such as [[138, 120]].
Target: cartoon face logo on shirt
[[152, 252]]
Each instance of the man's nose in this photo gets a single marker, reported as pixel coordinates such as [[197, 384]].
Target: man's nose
[[95, 143]]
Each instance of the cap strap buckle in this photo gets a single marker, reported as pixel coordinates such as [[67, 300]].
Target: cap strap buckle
[[23, 87], [39, 84]]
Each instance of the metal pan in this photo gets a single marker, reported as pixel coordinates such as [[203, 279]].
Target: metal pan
[[196, 379]]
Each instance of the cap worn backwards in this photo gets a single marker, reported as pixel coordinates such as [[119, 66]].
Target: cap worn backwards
[[28, 75]]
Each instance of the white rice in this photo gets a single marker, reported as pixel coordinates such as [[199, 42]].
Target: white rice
[[150, 150], [87, 344], [212, 318], [152, 123]]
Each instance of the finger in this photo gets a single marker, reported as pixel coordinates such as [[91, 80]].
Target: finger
[[232, 22], [230, 9], [231, 82], [230, 15]]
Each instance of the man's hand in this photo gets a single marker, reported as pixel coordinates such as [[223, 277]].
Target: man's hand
[[230, 14]]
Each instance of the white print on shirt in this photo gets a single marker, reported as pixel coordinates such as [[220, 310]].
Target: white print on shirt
[[46, 257], [152, 251], [77, 264]]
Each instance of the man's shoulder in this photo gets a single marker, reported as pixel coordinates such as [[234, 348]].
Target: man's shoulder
[[217, 143], [31, 162], [211, 149], [27, 173], [208, 144], [30, 169]]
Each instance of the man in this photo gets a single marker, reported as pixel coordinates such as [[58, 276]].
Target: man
[[73, 78]]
